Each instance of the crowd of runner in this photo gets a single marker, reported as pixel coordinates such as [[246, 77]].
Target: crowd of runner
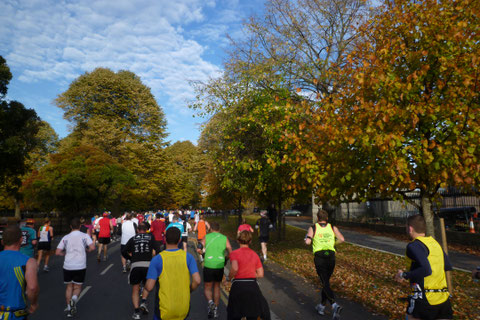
[[153, 249]]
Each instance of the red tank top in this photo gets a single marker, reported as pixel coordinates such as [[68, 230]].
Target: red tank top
[[104, 224]]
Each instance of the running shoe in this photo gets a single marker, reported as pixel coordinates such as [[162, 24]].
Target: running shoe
[[337, 309], [105, 258], [124, 269], [144, 308], [211, 309], [320, 309], [136, 316], [69, 314], [46, 268], [73, 306], [215, 312]]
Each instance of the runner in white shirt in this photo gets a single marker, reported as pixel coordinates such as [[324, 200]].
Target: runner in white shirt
[[74, 247], [129, 229]]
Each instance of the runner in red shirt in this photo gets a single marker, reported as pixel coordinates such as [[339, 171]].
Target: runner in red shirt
[[106, 228], [244, 227], [246, 299], [158, 230]]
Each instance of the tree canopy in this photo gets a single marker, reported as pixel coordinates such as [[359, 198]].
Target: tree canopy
[[406, 118]]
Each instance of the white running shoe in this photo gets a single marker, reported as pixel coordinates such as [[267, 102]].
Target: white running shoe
[[337, 309], [144, 308], [320, 309], [73, 306]]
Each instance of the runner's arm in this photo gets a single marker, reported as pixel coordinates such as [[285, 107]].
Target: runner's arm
[[34, 236], [195, 281], [233, 269], [447, 264], [259, 273], [32, 287], [229, 247], [309, 236], [150, 284], [91, 247], [417, 252], [338, 235], [126, 252], [60, 249]]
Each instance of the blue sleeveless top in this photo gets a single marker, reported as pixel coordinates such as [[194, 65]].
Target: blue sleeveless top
[[12, 281]]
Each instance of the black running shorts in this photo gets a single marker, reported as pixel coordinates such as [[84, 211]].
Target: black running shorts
[[263, 239], [421, 309], [212, 275], [105, 240], [45, 245], [74, 276], [138, 275]]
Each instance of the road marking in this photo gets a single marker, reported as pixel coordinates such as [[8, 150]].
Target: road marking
[[379, 250], [84, 291], [106, 269]]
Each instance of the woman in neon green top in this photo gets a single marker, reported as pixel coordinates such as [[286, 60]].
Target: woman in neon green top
[[322, 236]]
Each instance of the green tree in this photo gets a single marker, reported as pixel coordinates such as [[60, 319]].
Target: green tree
[[186, 170], [78, 180], [117, 113], [18, 130], [5, 77], [407, 118]]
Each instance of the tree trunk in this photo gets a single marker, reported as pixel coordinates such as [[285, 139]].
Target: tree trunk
[[240, 218], [18, 215], [428, 214]]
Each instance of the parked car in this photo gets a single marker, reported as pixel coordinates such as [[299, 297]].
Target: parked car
[[294, 213], [458, 218]]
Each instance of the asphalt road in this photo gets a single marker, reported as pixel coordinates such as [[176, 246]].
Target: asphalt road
[[460, 261], [106, 294]]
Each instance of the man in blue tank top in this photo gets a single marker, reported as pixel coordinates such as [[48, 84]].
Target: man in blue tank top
[[18, 282]]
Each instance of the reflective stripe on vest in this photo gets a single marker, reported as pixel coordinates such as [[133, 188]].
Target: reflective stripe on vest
[[435, 284], [324, 238], [174, 286]]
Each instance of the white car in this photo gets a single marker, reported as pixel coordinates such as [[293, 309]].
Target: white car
[[295, 213]]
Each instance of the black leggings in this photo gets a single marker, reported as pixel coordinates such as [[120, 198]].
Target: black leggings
[[324, 264]]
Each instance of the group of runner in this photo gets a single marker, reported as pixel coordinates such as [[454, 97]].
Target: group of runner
[[157, 255]]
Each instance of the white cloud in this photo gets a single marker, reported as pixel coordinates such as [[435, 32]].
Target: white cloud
[[162, 41]]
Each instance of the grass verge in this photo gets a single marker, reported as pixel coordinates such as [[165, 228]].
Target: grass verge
[[361, 274]]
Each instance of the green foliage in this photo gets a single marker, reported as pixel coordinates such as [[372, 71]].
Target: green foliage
[[117, 113], [78, 180], [5, 77], [186, 168]]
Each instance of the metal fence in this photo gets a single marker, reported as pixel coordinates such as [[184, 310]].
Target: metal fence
[[395, 212]]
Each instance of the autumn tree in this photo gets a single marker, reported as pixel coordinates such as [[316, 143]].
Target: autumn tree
[[186, 168], [407, 117], [289, 55], [117, 113]]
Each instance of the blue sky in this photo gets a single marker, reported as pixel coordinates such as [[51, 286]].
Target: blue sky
[[49, 43]]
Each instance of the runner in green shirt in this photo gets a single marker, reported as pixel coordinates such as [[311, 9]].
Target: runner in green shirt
[[215, 245]]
